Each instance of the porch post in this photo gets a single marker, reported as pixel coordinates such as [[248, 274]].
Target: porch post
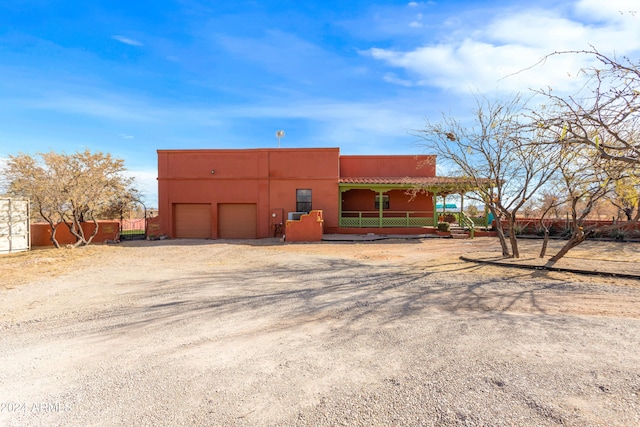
[[339, 206], [486, 215], [380, 206], [461, 207], [435, 210], [340, 192], [444, 204], [487, 210]]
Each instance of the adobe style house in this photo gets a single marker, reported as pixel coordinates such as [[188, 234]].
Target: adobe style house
[[250, 193]]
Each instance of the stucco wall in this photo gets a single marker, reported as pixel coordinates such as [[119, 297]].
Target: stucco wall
[[387, 166], [269, 178], [266, 177], [399, 200], [309, 228], [41, 233]]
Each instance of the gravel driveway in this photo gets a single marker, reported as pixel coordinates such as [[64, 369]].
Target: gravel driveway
[[265, 333]]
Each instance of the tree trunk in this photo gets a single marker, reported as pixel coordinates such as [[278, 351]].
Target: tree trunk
[[75, 233], [95, 231], [545, 241], [578, 237], [513, 239], [75, 228], [503, 240], [54, 228], [500, 231]]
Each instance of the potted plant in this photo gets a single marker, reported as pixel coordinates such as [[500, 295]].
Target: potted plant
[[444, 229], [449, 218]]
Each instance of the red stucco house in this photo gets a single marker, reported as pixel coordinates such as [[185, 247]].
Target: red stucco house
[[250, 193]]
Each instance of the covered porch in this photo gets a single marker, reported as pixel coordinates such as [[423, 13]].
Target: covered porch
[[400, 205]]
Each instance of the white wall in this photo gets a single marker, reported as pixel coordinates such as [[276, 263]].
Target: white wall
[[14, 225]]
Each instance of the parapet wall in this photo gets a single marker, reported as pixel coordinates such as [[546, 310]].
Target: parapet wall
[[309, 228]]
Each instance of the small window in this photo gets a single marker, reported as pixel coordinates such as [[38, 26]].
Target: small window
[[385, 201], [303, 201]]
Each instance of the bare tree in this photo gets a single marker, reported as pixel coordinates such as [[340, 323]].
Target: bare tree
[[69, 189], [550, 202], [472, 210], [599, 128], [626, 195], [499, 153], [605, 115], [588, 179]]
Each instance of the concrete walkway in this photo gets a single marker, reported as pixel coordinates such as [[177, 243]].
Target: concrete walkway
[[373, 237]]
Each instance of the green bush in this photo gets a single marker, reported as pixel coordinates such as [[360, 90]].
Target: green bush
[[618, 235], [444, 226], [566, 232], [539, 230]]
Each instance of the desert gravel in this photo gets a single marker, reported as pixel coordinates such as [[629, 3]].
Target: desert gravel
[[267, 333]]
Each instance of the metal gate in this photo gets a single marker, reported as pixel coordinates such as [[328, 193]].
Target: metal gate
[[14, 226], [134, 225]]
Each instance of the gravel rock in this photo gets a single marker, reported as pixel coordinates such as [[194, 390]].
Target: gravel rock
[[265, 333]]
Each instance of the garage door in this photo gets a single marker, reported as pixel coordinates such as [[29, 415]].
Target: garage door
[[192, 220], [237, 221]]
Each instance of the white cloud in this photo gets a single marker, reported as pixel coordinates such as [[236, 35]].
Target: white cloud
[[415, 24], [608, 9], [412, 4], [549, 30], [125, 136], [392, 78], [147, 183], [101, 105], [497, 55], [126, 40]]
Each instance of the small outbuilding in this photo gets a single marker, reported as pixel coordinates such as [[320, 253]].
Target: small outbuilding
[[14, 225]]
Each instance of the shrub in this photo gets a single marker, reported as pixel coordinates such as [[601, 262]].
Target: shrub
[[519, 229], [539, 230], [444, 226], [618, 234], [566, 232]]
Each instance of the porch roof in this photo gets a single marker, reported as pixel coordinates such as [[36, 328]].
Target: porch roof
[[410, 180]]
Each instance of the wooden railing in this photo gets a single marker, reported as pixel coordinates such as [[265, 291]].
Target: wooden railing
[[364, 219], [466, 222]]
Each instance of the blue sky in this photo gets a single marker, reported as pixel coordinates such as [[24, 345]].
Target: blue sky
[[131, 77]]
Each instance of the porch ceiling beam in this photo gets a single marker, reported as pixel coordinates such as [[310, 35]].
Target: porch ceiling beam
[[438, 188], [373, 187]]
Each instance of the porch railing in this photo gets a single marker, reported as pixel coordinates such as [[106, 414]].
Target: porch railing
[[467, 223], [463, 220], [372, 219], [480, 222]]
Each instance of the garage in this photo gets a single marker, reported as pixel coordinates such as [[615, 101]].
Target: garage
[[237, 221], [192, 220]]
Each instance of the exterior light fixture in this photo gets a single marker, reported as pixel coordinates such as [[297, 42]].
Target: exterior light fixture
[[279, 134], [213, 171]]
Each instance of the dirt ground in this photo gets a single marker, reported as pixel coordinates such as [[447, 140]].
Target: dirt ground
[[395, 332]]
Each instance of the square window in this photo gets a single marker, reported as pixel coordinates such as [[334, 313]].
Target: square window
[[385, 201]]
